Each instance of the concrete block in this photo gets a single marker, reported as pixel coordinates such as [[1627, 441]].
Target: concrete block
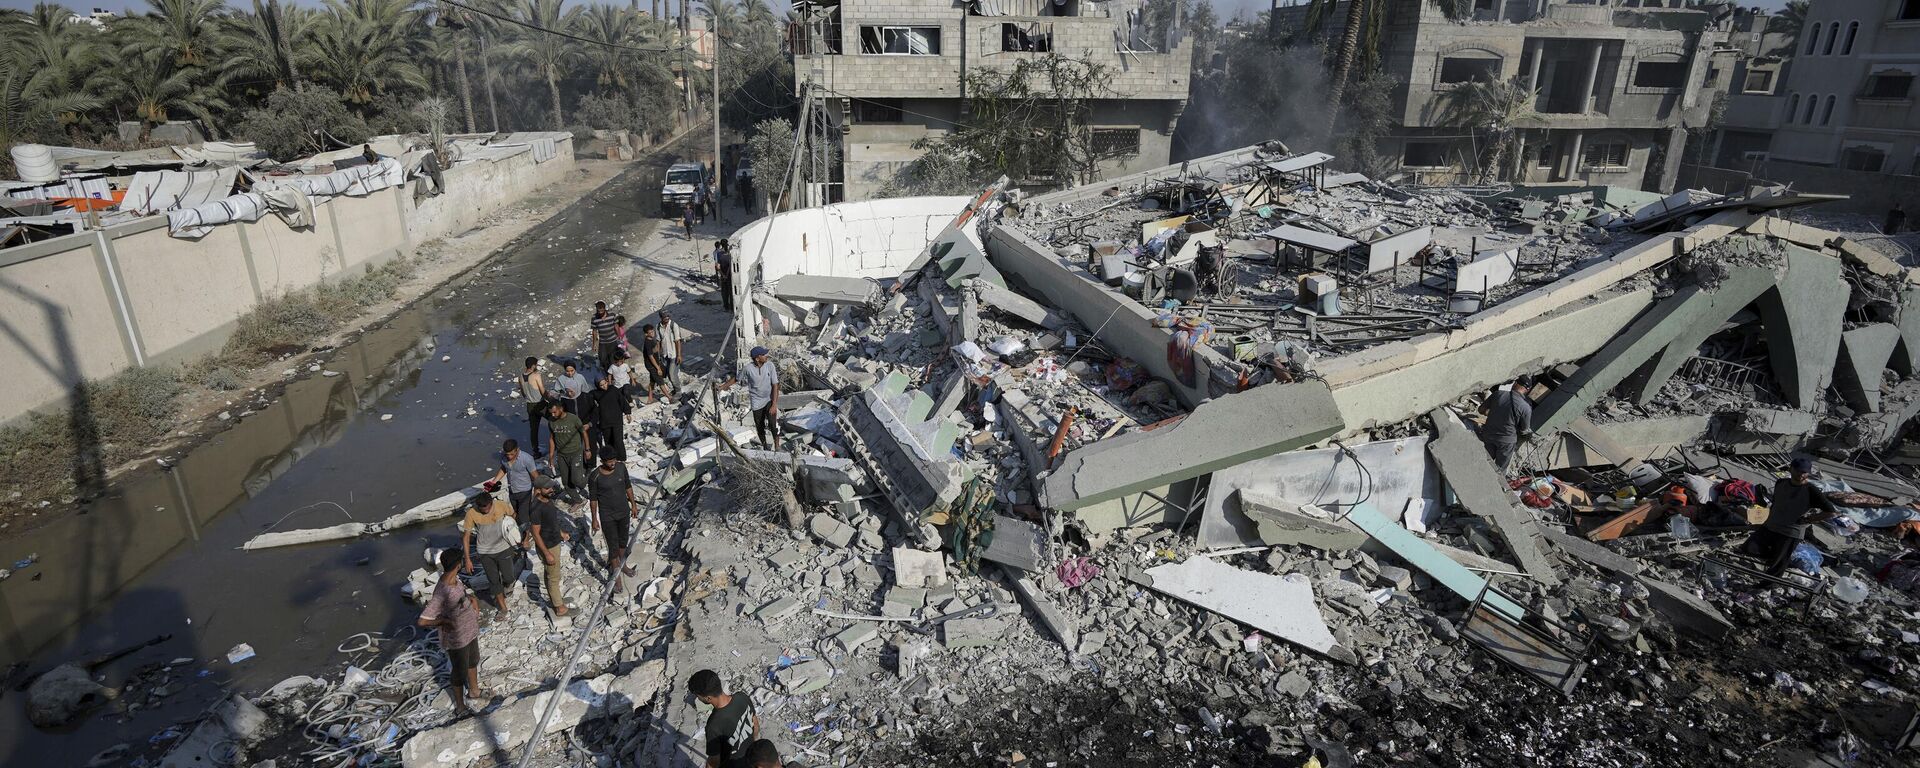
[[1056, 621], [778, 610], [1281, 522], [1778, 421], [471, 739], [827, 289], [1686, 610], [1802, 316], [803, 678], [1007, 301], [911, 598], [829, 530], [972, 633], [1016, 544], [851, 638], [918, 568], [1278, 606]]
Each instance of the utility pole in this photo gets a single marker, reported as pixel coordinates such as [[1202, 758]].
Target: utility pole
[[713, 31]]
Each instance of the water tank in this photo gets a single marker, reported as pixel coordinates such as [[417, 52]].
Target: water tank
[[35, 162]]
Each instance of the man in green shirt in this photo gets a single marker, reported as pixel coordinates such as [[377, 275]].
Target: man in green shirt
[[568, 446]]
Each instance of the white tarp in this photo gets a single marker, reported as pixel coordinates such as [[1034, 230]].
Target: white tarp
[[159, 191], [545, 144], [222, 152], [199, 220], [355, 181], [1397, 470]]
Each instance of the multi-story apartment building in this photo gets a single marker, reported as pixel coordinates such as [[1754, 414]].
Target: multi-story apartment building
[[1845, 101], [1614, 86], [889, 73]]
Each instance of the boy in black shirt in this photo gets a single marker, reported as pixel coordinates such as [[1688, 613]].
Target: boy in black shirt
[[733, 724]]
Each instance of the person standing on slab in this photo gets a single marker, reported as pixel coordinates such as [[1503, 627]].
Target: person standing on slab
[[731, 726], [604, 332], [653, 354], [568, 447], [457, 615], [1794, 496], [673, 348], [533, 390], [548, 535], [491, 535], [1509, 418], [763, 395]]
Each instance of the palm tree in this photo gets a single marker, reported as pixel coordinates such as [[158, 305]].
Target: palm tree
[[188, 30], [1359, 47], [366, 50], [159, 85], [551, 56], [1789, 22], [611, 26], [1503, 108], [23, 108], [268, 45]]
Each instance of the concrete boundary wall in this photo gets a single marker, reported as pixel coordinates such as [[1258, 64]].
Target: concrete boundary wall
[[91, 304]]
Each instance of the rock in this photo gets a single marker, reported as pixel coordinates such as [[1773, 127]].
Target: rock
[[831, 531], [62, 694]]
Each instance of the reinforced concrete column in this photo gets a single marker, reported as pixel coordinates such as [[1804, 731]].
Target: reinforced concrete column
[[1573, 155], [1593, 76], [1533, 70]]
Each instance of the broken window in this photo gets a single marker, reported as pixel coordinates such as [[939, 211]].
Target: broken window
[[1424, 154], [1115, 142], [1758, 81], [1606, 154], [1032, 37], [814, 28], [1466, 69], [1660, 74], [879, 111], [1910, 10], [1869, 159], [1888, 85], [904, 41]]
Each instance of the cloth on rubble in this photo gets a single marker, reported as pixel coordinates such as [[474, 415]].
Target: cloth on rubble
[[1075, 571], [153, 192]]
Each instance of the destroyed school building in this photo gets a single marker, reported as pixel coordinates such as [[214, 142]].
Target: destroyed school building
[[1179, 469], [888, 73], [1616, 86]]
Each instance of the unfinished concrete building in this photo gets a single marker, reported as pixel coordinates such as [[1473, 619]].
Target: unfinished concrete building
[[890, 73], [1615, 87]]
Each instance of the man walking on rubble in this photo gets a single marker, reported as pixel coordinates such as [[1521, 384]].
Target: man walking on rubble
[[604, 331], [533, 389], [733, 724], [490, 534], [1787, 516], [1509, 418], [548, 535], [763, 395], [723, 272], [519, 471], [457, 615], [568, 447], [613, 509], [672, 349]]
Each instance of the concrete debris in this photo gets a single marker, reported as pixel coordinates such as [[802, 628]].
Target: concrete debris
[[1280, 606], [63, 693], [511, 725]]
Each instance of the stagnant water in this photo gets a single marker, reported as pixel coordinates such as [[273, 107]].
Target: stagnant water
[[160, 555]]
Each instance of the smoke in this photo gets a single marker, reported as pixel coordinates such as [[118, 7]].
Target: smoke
[[1263, 93]]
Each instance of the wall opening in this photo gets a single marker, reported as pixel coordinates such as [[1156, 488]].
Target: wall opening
[[1466, 69], [1760, 81], [1888, 85], [1115, 142], [900, 41], [1424, 154], [1031, 37], [1605, 155], [879, 111], [1869, 159], [1660, 74]]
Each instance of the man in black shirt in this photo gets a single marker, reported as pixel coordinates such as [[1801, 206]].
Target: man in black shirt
[[763, 754], [1787, 519], [1509, 418], [606, 410], [732, 725], [613, 509], [549, 535]]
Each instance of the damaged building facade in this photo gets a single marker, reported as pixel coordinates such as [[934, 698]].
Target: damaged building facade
[[1615, 87], [890, 73]]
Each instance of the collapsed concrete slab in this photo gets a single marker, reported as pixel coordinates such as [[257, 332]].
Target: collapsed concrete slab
[[1222, 433], [1279, 606], [1693, 312], [1686, 610], [827, 289], [1864, 353], [1481, 488], [495, 733], [908, 456], [1396, 472], [1281, 522], [1017, 544], [1006, 300]]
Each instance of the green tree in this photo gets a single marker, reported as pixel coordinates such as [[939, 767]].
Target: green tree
[[1028, 123], [54, 66], [155, 89], [1497, 109], [552, 57], [190, 31], [1790, 20], [268, 46], [366, 50]]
